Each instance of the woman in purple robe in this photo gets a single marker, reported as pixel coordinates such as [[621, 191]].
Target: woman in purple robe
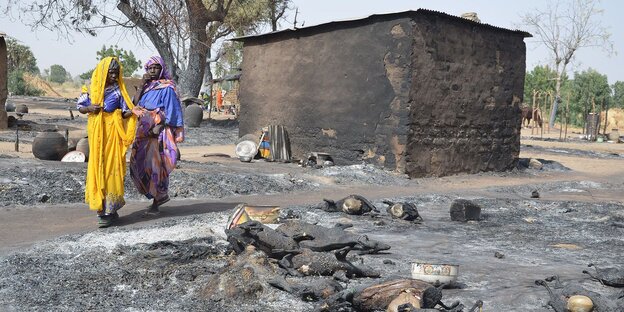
[[159, 128]]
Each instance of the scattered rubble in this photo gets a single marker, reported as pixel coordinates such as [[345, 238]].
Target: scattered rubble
[[170, 265]]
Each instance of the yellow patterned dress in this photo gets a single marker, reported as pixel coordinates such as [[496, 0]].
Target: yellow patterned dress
[[110, 135]]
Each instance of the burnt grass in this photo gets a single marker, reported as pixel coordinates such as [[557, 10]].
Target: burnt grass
[[166, 265]]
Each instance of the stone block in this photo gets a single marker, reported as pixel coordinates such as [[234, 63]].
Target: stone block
[[465, 210]]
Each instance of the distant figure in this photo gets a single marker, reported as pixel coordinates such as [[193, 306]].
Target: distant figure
[[111, 128], [219, 100], [204, 96], [527, 116], [160, 129]]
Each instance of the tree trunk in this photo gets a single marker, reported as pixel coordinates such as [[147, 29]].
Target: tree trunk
[[189, 80], [273, 9], [555, 106], [151, 31], [207, 85]]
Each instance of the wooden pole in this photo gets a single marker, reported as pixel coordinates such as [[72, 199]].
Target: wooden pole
[[535, 99], [567, 114], [540, 115], [547, 109], [561, 127], [604, 131], [17, 139], [594, 123], [211, 102]]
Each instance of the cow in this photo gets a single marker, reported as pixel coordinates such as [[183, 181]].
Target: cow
[[527, 116]]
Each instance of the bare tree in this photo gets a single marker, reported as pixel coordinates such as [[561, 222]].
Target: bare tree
[[182, 31], [565, 30], [277, 11]]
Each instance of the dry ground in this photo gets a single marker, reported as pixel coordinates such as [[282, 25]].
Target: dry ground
[[540, 237]]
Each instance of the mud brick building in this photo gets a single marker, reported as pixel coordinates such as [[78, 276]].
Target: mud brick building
[[3, 82], [420, 92]]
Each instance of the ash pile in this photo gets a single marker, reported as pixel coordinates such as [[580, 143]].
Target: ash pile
[[350, 254]]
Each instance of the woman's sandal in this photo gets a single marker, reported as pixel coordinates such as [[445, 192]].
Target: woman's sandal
[[152, 210], [105, 221], [162, 201]]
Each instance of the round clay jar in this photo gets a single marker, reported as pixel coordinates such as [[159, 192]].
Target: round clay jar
[[193, 115], [49, 145]]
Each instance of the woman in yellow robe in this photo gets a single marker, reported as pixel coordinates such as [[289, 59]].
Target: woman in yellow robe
[[111, 127]]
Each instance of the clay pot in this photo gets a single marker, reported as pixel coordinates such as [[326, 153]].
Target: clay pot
[[614, 135], [49, 145], [21, 109], [193, 115], [9, 106], [83, 146], [71, 144]]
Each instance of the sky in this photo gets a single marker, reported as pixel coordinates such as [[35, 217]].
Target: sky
[[79, 55]]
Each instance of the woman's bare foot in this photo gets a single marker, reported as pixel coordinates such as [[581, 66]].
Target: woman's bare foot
[[152, 210]]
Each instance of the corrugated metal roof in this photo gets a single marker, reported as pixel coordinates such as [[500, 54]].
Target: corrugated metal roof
[[398, 14]]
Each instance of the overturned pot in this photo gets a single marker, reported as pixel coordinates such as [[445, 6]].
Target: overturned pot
[[9, 106], [83, 146], [193, 115], [49, 145], [21, 109]]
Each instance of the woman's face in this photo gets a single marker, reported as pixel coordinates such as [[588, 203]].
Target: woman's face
[[154, 71], [112, 76]]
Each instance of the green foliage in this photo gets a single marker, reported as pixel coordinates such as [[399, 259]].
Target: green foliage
[[58, 73], [590, 92], [19, 57], [17, 85], [245, 15], [618, 94], [20, 60], [128, 60], [86, 75], [541, 78]]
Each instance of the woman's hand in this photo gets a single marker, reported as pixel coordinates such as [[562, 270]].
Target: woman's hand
[[146, 79], [138, 111], [93, 109]]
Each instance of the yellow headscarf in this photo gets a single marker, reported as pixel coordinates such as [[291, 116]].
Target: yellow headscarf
[[98, 85], [107, 153]]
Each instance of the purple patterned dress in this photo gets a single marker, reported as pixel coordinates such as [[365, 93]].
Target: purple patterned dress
[[154, 156]]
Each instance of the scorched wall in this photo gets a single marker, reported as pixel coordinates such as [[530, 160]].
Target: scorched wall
[[423, 93]]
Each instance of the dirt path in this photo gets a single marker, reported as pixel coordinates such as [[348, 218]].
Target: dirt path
[[579, 208], [55, 220]]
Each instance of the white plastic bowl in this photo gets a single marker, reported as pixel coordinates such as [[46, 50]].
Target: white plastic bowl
[[246, 149], [435, 274]]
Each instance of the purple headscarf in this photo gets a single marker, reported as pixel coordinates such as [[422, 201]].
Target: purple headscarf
[[165, 77], [156, 59]]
